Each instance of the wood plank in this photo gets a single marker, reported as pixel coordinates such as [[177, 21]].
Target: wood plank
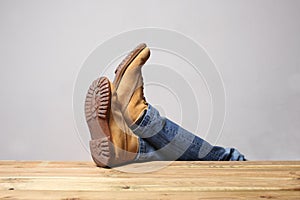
[[188, 180], [77, 195]]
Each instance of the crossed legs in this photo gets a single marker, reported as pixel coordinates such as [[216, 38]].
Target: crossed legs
[[125, 128]]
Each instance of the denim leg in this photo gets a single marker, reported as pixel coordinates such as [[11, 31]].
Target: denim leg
[[172, 142], [147, 152]]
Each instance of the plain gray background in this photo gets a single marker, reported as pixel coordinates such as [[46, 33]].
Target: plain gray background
[[255, 45]]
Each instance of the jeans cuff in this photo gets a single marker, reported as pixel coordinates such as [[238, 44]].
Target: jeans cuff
[[151, 123]]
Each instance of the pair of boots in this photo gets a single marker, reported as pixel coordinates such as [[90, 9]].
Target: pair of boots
[[110, 108]]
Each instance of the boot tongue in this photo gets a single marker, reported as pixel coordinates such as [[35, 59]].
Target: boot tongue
[[131, 84]]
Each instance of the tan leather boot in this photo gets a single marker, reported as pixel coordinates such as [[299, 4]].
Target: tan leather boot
[[112, 142], [128, 84]]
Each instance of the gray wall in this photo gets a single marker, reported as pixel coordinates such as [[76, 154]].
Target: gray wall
[[255, 45]]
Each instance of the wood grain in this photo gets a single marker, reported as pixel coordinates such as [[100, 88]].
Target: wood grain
[[179, 180]]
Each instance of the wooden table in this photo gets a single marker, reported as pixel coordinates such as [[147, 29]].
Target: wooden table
[[179, 180]]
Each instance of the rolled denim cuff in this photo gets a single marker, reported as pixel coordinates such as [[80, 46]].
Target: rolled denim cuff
[[151, 123]]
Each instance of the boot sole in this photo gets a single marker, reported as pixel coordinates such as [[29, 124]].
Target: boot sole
[[97, 110], [119, 72]]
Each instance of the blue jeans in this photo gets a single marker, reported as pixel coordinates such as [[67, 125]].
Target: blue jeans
[[162, 139]]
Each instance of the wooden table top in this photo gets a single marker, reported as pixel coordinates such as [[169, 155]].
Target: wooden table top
[[179, 180]]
